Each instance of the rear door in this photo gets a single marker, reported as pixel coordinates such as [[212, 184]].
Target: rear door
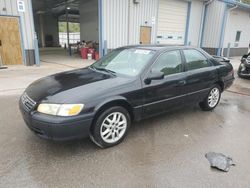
[[201, 75], [162, 95]]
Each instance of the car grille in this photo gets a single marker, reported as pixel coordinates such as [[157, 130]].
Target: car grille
[[27, 102]]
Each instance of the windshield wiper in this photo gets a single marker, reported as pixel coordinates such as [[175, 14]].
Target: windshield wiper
[[103, 69]]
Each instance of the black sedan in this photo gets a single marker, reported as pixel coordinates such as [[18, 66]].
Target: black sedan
[[128, 84]]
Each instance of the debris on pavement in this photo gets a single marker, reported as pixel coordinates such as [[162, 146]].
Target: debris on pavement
[[219, 161]]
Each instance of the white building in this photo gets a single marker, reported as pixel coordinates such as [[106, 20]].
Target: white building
[[214, 25], [226, 24]]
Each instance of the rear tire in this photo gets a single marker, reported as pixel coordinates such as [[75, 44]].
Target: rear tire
[[212, 99], [110, 127]]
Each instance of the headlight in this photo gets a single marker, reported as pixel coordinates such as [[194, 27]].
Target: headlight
[[60, 109]]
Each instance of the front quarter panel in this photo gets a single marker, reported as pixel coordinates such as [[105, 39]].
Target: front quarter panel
[[130, 93]]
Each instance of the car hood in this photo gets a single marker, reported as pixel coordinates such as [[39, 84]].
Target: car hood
[[73, 86]]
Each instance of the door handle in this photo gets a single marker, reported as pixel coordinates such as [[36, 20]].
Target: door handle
[[182, 82], [0, 42]]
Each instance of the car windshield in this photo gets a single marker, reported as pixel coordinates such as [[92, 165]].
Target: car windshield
[[129, 62]]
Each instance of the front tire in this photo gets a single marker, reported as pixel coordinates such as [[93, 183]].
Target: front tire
[[110, 127], [212, 99]]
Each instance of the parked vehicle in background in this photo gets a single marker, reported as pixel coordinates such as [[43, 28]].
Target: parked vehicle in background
[[244, 68], [128, 84]]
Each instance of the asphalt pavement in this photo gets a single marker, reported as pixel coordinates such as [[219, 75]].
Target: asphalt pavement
[[165, 151]]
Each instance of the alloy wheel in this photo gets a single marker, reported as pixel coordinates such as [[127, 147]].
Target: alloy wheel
[[113, 127], [213, 97]]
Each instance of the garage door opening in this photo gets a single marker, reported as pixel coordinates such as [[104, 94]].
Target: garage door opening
[[67, 31], [172, 17]]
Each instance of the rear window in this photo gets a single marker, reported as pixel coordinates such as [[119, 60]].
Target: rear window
[[195, 60]]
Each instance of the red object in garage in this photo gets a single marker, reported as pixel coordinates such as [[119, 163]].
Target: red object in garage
[[84, 53], [96, 56], [91, 51]]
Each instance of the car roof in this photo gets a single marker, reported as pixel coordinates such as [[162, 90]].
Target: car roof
[[158, 47]]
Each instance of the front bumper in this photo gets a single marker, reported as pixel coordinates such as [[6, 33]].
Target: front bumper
[[55, 127]]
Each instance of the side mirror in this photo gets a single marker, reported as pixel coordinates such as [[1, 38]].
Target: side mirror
[[154, 76]]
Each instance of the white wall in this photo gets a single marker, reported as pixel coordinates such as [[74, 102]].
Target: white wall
[[213, 23], [115, 23], [142, 14], [195, 23], [122, 20], [238, 20], [89, 20]]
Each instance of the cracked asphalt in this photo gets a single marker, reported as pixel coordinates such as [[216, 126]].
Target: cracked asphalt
[[165, 151]]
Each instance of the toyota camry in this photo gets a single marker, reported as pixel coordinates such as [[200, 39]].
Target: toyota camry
[[128, 84]]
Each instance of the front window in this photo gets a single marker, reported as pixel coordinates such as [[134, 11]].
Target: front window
[[129, 62], [168, 63]]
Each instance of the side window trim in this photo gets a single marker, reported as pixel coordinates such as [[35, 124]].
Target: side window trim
[[156, 60], [184, 67], [185, 60]]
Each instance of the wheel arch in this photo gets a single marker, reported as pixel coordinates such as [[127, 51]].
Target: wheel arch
[[117, 101], [221, 84]]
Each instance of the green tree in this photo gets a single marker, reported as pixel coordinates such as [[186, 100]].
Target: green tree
[[73, 27], [246, 1]]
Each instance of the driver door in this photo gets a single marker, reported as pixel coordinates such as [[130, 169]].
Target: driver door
[[162, 95]]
